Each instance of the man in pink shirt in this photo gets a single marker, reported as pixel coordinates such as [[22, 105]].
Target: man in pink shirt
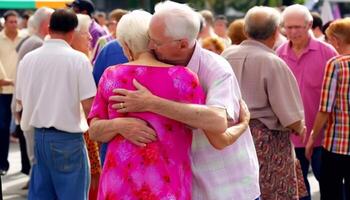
[[307, 58]]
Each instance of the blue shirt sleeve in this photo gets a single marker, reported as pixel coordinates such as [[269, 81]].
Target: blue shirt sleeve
[[111, 54]]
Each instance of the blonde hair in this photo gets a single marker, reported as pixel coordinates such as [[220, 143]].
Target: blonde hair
[[340, 29], [218, 44], [236, 31]]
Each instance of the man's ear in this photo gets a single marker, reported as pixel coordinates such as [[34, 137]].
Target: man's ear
[[184, 44]]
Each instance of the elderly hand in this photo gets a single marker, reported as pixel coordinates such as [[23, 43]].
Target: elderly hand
[[6, 82], [137, 132], [244, 114], [139, 100], [309, 148]]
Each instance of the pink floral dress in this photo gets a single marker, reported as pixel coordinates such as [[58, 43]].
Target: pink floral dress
[[162, 170]]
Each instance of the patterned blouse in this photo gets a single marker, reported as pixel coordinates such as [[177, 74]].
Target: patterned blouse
[[335, 100]]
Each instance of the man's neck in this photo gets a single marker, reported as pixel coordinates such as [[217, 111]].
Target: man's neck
[[11, 34], [59, 36], [298, 48]]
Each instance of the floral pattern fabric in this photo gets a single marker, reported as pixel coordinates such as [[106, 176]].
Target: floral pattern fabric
[[280, 171], [162, 169]]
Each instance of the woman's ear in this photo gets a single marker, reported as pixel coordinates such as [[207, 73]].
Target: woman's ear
[[127, 51]]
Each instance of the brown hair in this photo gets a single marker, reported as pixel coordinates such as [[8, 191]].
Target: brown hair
[[117, 14], [340, 29], [218, 44], [236, 31]]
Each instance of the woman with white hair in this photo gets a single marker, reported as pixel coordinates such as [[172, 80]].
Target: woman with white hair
[[162, 168]]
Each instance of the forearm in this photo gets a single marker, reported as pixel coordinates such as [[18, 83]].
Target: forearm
[[103, 130], [86, 104], [220, 141], [320, 121], [297, 126], [209, 119]]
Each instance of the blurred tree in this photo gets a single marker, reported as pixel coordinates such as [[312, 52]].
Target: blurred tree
[[219, 6]]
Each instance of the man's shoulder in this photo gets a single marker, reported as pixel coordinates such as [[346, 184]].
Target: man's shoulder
[[325, 46], [230, 50], [112, 46], [30, 43], [282, 48], [213, 61]]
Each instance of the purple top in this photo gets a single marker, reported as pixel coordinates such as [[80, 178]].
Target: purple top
[[96, 31], [308, 69]]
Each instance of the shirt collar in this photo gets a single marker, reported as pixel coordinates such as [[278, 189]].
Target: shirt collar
[[193, 65], [3, 35], [312, 45], [250, 42], [59, 42]]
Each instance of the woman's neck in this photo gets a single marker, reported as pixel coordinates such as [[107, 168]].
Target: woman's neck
[[147, 58]]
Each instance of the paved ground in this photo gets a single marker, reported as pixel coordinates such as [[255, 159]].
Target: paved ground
[[15, 180]]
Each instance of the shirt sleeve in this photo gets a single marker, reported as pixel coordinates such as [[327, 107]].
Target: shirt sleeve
[[87, 87], [224, 92], [99, 108], [329, 86], [283, 93]]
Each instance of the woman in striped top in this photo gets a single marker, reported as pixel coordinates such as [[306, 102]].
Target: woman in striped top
[[335, 111]]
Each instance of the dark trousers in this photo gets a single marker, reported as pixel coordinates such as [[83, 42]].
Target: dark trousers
[[5, 120], [23, 148], [305, 164], [335, 168]]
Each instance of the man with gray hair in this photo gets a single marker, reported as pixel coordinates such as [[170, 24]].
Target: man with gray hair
[[306, 57], [275, 105], [228, 174]]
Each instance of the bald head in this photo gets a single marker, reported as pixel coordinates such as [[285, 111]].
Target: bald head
[[260, 23]]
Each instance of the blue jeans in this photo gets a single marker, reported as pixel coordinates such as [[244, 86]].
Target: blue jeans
[[315, 165], [61, 169], [5, 121]]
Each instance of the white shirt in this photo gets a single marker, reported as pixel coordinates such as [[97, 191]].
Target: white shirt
[[232, 173], [8, 59], [51, 82]]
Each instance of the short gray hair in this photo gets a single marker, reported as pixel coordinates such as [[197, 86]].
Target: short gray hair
[[84, 22], [181, 21], [37, 18], [133, 30], [261, 22], [299, 10]]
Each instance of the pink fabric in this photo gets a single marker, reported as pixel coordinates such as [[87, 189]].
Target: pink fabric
[[308, 69], [162, 169]]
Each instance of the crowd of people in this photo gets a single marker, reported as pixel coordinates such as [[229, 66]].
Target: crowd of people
[[177, 104]]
